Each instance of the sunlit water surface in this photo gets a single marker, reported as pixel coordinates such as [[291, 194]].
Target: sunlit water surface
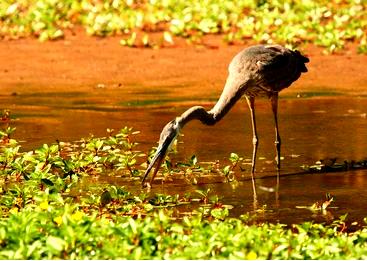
[[311, 129]]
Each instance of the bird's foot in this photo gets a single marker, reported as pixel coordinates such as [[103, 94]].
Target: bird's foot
[[147, 185]]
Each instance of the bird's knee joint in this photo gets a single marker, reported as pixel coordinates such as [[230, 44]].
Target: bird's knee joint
[[213, 119], [255, 141], [277, 142]]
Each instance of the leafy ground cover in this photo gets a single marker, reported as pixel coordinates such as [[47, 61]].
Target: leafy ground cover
[[330, 24], [47, 211]]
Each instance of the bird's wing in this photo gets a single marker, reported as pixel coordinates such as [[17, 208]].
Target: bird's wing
[[279, 67]]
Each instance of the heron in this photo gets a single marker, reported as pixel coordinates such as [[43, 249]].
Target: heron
[[259, 70]]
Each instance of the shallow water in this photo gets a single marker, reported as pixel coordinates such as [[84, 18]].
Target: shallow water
[[296, 193], [311, 129]]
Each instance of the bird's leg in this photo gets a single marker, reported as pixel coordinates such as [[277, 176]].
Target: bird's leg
[[251, 104], [274, 106], [277, 191]]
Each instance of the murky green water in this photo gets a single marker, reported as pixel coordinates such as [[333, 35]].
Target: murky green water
[[311, 129]]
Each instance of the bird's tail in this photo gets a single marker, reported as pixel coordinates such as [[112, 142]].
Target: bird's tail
[[302, 60]]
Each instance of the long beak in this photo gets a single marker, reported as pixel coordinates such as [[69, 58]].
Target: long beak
[[167, 137], [158, 158]]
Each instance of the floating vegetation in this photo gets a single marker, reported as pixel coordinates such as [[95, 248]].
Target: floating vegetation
[[320, 206], [332, 165], [329, 24], [48, 211]]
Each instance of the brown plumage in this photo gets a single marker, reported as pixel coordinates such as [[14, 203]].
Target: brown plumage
[[259, 70]]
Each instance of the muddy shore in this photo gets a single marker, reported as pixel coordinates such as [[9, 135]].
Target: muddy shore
[[84, 63]]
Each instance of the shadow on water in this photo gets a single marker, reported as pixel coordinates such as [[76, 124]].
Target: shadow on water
[[311, 129]]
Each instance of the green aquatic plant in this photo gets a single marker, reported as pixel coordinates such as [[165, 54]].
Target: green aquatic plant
[[69, 233], [320, 206], [329, 24], [228, 170], [52, 208]]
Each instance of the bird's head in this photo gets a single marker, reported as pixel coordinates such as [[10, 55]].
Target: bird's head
[[168, 135]]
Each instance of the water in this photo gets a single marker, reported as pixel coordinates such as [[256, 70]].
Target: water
[[296, 194], [311, 129]]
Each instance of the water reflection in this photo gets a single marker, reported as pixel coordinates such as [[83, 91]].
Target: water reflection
[[287, 200], [311, 129]]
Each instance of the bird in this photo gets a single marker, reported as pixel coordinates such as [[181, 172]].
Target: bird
[[258, 70]]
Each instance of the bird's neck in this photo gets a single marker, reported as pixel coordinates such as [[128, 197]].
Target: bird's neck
[[196, 113], [231, 94]]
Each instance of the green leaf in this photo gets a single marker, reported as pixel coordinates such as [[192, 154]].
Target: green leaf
[[168, 37], [219, 213], [226, 170], [47, 182], [55, 244]]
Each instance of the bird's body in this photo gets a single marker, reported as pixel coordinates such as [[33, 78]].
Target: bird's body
[[259, 70], [268, 68]]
